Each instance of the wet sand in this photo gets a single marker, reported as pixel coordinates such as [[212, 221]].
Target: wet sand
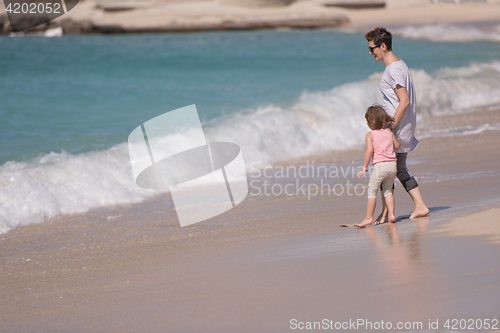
[[272, 259]]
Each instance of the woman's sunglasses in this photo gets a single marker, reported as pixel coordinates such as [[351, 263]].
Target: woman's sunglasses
[[371, 48]]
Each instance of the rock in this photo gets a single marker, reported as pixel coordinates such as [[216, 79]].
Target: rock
[[258, 3], [354, 4], [72, 27], [4, 24], [300, 23]]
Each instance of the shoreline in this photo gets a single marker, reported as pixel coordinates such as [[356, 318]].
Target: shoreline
[[112, 16], [431, 132], [269, 260]]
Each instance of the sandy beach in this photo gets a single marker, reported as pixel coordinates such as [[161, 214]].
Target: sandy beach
[[126, 16], [276, 262], [273, 262]]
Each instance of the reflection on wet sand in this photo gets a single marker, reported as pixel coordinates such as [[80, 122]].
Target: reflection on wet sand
[[406, 268]]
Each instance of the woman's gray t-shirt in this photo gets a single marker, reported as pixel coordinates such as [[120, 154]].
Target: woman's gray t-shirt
[[395, 74]]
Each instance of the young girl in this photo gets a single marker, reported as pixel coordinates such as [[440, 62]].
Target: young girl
[[380, 144]]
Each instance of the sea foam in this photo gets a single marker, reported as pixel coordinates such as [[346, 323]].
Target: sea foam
[[317, 123], [451, 32]]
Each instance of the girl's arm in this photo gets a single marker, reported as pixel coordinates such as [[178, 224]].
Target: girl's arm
[[395, 141], [368, 154]]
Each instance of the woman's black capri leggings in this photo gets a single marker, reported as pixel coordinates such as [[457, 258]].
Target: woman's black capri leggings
[[407, 180]]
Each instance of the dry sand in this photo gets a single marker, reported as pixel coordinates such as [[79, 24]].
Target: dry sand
[[271, 259], [214, 15], [169, 15], [485, 224], [433, 13]]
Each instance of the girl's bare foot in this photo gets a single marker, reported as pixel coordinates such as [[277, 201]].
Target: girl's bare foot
[[365, 222], [382, 218], [392, 219]]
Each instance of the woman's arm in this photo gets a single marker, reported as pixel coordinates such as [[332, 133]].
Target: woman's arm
[[395, 141], [368, 154], [404, 101]]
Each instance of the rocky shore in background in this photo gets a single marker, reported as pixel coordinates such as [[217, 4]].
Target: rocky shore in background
[[133, 16]]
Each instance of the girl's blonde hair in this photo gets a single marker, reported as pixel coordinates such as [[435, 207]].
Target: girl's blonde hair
[[376, 117]]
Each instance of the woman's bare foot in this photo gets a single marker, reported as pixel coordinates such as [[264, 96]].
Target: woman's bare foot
[[392, 219], [420, 211], [365, 222]]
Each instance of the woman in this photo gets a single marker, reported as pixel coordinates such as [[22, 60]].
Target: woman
[[400, 103]]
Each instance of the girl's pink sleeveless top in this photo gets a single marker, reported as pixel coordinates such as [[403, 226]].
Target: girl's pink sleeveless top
[[383, 146]]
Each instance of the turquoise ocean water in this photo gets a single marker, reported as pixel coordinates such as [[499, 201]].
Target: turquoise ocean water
[[67, 105]]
